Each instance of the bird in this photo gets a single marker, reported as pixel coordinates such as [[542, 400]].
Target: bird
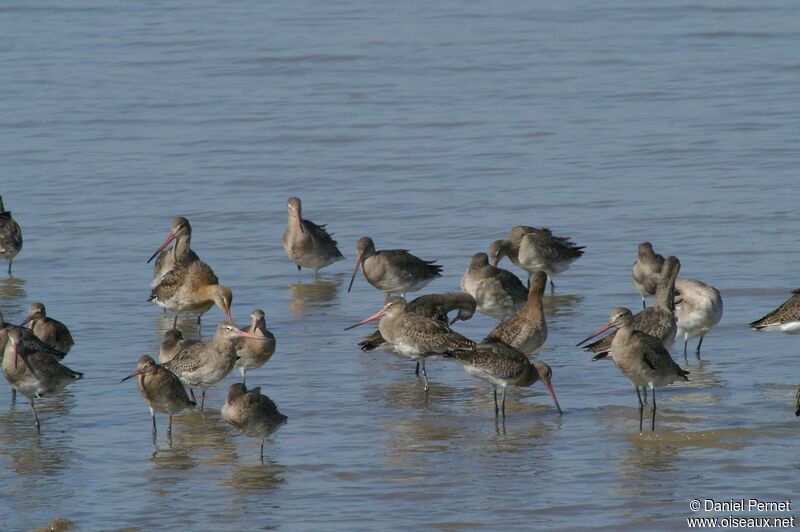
[[183, 283], [657, 320], [393, 271], [34, 374], [509, 246], [413, 336], [646, 271], [642, 358], [526, 330], [307, 244], [698, 309], [785, 318], [50, 331], [162, 390], [255, 353], [172, 344], [180, 253], [501, 365], [542, 252], [498, 292], [252, 413], [201, 364], [434, 306], [10, 236]]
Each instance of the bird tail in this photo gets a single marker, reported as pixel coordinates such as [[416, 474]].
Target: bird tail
[[600, 356]]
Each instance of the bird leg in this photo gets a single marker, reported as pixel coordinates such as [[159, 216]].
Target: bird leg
[[175, 321], [685, 345], [261, 456], [243, 371], [202, 399], [644, 305], [416, 370], [169, 427], [641, 406], [653, 420], [424, 375], [13, 395], [496, 409], [552, 286], [9, 267], [697, 351], [153, 416], [644, 391], [35, 417], [503, 403], [191, 392]]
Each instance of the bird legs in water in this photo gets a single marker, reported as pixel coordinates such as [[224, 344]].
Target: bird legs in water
[[424, 373], [35, 417], [202, 399], [653, 419], [686, 346], [502, 408], [261, 456], [641, 409]]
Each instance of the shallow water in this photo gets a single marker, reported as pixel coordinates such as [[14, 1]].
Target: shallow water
[[431, 127]]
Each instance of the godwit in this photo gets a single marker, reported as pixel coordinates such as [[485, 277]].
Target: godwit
[[10, 236], [413, 336], [540, 251], [785, 319], [201, 365], [647, 271], [698, 308], [38, 374], [180, 253], [640, 357], [394, 271], [434, 306], [501, 365], [162, 390], [255, 353], [308, 245], [509, 247], [50, 331], [191, 288], [171, 345], [252, 413], [526, 330], [657, 320], [499, 292]]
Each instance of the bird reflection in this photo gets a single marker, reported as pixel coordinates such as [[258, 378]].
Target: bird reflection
[[317, 294], [187, 325], [557, 305], [11, 289], [256, 478], [194, 433]]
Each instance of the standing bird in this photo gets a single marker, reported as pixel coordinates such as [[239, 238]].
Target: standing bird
[[501, 365], [647, 271], [162, 390], [179, 253], [698, 308], [526, 330], [413, 336], [785, 318], [183, 283], [34, 374], [171, 345], [255, 353], [308, 245], [50, 331], [10, 236], [640, 357], [393, 271], [434, 306], [543, 252], [252, 413], [657, 320], [499, 292], [202, 365], [509, 246]]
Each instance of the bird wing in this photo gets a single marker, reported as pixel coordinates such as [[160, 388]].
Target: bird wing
[[655, 355], [321, 235], [789, 311]]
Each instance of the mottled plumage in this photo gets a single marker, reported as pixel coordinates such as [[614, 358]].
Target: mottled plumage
[[308, 245], [540, 251], [179, 253], [434, 306], [50, 331], [498, 292], [394, 271], [526, 330], [10, 236], [255, 353], [30, 342], [647, 270], [252, 413], [785, 318], [171, 345]]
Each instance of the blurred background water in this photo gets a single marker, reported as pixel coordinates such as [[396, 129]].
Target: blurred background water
[[428, 126]]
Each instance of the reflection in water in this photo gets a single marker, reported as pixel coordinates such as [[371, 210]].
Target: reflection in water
[[314, 294], [256, 478], [11, 289], [561, 305], [187, 324], [192, 433]]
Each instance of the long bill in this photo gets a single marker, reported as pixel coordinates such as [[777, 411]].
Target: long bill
[[553, 395], [134, 374], [601, 330], [29, 318], [378, 315], [169, 239], [245, 334], [355, 271]]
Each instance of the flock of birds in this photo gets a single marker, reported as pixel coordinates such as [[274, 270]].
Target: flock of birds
[[419, 330]]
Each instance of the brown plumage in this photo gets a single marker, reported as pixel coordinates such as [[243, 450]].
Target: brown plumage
[[501, 365], [10, 236], [526, 330], [162, 390], [785, 318], [255, 353], [30, 342], [434, 306], [33, 373], [308, 245], [50, 331], [171, 345], [657, 320], [509, 247], [393, 271], [646, 271], [252, 413], [498, 292], [179, 253]]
